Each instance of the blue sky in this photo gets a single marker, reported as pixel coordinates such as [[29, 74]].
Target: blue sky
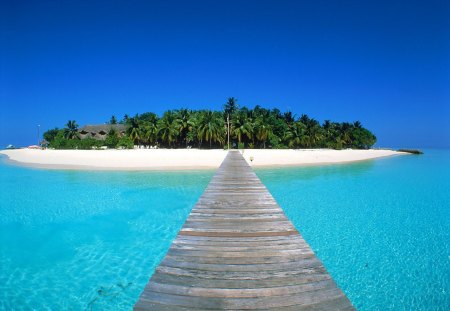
[[385, 63]]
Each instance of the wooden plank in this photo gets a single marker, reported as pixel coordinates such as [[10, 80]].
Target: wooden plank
[[241, 234], [239, 248], [254, 241], [305, 298], [243, 260], [236, 284], [242, 275], [238, 251], [278, 266], [239, 293]]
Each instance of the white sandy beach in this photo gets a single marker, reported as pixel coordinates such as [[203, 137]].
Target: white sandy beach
[[158, 159]]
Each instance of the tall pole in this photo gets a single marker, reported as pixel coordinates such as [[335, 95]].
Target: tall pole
[[228, 127], [38, 127]]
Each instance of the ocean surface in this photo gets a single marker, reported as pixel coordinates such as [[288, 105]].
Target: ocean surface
[[77, 240], [381, 227], [83, 240]]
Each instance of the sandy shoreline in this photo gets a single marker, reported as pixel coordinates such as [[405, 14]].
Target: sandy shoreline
[[181, 159]]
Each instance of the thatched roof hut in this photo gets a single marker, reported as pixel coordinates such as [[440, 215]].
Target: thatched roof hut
[[100, 131]]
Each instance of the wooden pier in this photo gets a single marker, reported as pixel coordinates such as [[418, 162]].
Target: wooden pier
[[238, 251]]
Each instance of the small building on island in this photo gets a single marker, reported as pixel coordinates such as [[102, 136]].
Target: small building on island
[[100, 131]]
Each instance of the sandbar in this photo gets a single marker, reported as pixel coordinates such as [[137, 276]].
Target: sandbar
[[182, 159]]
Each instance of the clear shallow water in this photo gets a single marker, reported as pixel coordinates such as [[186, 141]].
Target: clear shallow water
[[90, 240], [382, 227], [87, 240]]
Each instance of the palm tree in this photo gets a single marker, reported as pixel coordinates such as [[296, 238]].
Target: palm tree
[[329, 132], [295, 136], [148, 117], [242, 126], [250, 127], [211, 127], [167, 128], [314, 133], [304, 119], [259, 111], [345, 134], [230, 106], [134, 131], [148, 133], [71, 130], [289, 118], [263, 130], [126, 118], [185, 123]]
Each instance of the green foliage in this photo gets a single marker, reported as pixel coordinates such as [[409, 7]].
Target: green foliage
[[148, 117], [275, 142], [61, 142], [134, 132], [249, 128], [125, 142], [184, 123], [362, 138], [230, 106], [86, 144], [242, 126], [112, 139], [211, 128], [51, 134], [71, 130], [168, 129]]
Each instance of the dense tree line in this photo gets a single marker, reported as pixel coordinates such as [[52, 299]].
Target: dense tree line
[[249, 128]]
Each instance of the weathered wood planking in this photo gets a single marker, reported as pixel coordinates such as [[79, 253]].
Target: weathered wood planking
[[238, 251]]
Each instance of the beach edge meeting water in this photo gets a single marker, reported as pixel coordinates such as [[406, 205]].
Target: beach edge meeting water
[[179, 159]]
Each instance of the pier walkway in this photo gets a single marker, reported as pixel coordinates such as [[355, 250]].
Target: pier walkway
[[238, 251]]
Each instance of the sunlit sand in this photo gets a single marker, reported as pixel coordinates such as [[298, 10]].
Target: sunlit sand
[[176, 159]]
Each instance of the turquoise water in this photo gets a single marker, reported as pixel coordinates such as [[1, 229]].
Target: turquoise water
[[90, 240], [382, 227], [87, 240]]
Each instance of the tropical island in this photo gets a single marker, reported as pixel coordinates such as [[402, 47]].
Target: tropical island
[[199, 139], [234, 127]]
